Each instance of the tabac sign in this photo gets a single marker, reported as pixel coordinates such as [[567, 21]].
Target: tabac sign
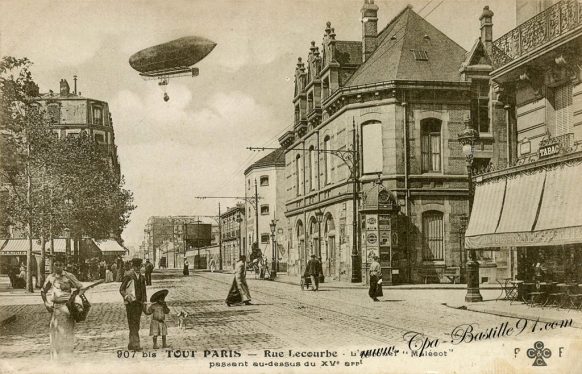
[[549, 150]]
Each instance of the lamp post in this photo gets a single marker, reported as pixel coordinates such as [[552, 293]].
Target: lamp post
[[239, 221], [273, 226], [467, 139]]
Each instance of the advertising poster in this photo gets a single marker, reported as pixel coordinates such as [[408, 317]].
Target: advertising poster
[[180, 186]]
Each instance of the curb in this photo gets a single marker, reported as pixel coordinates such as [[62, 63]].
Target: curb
[[508, 314]]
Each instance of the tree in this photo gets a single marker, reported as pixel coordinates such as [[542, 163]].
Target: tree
[[22, 130], [54, 183]]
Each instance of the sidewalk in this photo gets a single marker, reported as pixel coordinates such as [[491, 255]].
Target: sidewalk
[[295, 280], [454, 298]]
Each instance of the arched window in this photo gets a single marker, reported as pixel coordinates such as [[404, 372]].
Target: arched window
[[431, 145], [433, 245], [312, 168], [299, 230], [372, 149], [327, 159]]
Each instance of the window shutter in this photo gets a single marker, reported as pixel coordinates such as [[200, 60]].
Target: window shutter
[[563, 109]]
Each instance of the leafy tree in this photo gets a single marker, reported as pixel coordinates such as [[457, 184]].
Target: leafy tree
[[53, 183]]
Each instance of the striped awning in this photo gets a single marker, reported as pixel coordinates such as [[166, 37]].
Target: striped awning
[[19, 247], [540, 208], [110, 246]]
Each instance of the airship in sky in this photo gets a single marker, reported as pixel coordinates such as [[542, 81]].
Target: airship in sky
[[172, 59]]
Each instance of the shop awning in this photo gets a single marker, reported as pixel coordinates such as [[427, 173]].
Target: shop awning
[[540, 208], [110, 247], [18, 247]]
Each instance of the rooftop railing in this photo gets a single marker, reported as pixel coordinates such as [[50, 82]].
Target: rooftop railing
[[544, 27]]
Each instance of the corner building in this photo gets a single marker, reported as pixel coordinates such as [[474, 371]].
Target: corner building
[[529, 210], [398, 98]]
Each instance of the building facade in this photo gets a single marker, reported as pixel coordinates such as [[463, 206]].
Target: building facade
[[232, 223], [166, 238], [528, 211], [266, 177], [72, 114], [385, 111]]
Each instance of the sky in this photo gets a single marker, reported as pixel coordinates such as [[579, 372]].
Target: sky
[[195, 144]]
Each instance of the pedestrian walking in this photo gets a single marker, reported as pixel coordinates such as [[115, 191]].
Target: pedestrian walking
[[62, 325], [133, 291], [212, 265], [114, 271], [108, 276], [120, 269], [239, 290], [186, 271], [375, 279], [158, 309], [102, 269], [313, 271], [149, 268]]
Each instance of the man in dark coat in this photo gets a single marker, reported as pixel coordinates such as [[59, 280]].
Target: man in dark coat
[[133, 291], [313, 271], [149, 268]]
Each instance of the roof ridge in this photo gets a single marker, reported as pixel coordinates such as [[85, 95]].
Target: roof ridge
[[439, 31]]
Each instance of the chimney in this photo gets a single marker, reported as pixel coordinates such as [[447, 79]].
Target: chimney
[[487, 29], [369, 28], [65, 89], [75, 79]]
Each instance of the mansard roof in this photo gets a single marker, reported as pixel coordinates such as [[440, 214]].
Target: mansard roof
[[273, 159], [410, 48]]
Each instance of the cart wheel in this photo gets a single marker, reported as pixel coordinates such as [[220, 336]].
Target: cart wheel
[[302, 285]]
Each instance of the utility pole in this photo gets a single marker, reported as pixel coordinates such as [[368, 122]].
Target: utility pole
[[356, 266], [256, 214], [219, 239]]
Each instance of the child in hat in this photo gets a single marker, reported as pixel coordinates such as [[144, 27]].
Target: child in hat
[[158, 309]]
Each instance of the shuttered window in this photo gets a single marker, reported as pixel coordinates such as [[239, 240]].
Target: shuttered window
[[433, 238], [563, 109], [431, 145]]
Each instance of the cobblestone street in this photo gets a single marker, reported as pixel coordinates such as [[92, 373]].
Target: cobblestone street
[[283, 317]]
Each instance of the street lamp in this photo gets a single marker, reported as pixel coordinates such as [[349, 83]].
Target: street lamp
[[273, 225], [239, 221], [467, 139]]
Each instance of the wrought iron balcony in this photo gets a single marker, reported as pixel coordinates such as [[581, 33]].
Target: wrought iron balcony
[[546, 26]]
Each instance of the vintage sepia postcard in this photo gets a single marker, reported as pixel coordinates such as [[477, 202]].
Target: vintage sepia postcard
[[309, 186]]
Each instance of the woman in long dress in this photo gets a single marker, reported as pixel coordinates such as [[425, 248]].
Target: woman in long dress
[[62, 325], [186, 271], [375, 280], [239, 290]]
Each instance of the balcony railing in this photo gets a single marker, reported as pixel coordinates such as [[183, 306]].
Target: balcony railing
[[546, 26]]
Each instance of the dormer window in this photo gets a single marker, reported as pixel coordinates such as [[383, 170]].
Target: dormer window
[[419, 54]]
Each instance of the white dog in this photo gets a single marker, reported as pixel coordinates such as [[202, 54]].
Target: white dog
[[182, 320]]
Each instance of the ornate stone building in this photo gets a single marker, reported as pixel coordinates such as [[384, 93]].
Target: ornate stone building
[[386, 111]]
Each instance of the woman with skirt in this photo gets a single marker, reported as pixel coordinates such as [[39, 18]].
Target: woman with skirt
[[186, 271], [375, 280], [239, 290], [62, 325]]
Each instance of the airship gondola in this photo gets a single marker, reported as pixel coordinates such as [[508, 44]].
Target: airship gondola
[[172, 59]]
